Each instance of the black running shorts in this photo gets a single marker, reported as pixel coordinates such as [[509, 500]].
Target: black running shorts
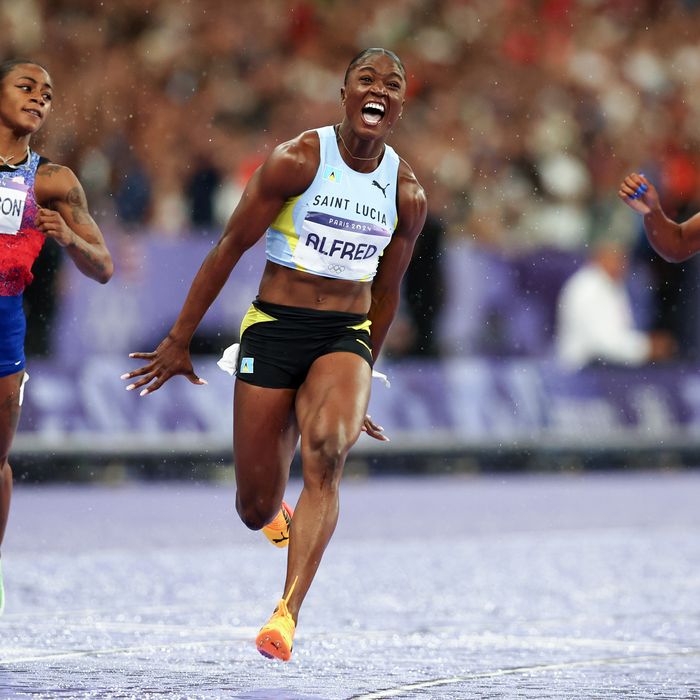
[[280, 343]]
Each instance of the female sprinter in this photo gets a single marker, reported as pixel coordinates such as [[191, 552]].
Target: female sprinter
[[38, 200], [341, 213]]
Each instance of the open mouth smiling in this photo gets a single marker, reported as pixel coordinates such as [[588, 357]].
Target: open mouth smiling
[[373, 113]]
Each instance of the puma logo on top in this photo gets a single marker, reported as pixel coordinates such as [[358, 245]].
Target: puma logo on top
[[383, 189]]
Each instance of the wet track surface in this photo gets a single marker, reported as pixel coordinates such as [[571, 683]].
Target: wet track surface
[[541, 586]]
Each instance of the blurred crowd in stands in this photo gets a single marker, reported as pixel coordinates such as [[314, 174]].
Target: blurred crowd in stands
[[521, 117]]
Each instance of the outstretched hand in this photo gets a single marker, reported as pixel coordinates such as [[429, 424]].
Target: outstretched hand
[[638, 193], [374, 430], [170, 358]]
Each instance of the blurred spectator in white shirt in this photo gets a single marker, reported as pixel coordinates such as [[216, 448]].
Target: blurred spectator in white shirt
[[595, 322]]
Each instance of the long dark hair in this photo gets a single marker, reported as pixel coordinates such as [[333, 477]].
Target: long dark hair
[[369, 52]]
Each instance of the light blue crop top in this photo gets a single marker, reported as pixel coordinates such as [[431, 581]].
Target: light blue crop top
[[341, 224]]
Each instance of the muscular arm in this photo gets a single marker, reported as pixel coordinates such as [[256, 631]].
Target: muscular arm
[[64, 216], [386, 287], [288, 171], [673, 242]]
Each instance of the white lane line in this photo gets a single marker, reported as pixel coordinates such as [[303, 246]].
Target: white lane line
[[232, 633], [245, 634], [123, 611], [126, 611], [538, 640], [151, 628], [114, 651], [452, 680], [490, 638]]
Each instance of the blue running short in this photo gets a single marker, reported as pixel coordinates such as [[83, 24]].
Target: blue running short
[[13, 326]]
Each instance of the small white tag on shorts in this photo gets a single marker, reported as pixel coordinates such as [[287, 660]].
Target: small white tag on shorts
[[229, 360], [247, 365]]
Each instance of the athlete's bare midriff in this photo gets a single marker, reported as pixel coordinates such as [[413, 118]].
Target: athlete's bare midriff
[[283, 285]]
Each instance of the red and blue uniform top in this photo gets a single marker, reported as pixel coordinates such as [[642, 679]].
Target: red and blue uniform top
[[20, 241]]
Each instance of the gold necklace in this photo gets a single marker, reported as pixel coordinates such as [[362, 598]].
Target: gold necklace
[[6, 161], [350, 153]]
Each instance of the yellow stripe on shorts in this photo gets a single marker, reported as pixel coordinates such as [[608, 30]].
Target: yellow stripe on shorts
[[362, 342], [364, 326], [253, 316]]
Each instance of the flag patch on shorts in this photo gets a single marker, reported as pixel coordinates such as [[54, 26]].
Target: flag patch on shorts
[[247, 365]]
